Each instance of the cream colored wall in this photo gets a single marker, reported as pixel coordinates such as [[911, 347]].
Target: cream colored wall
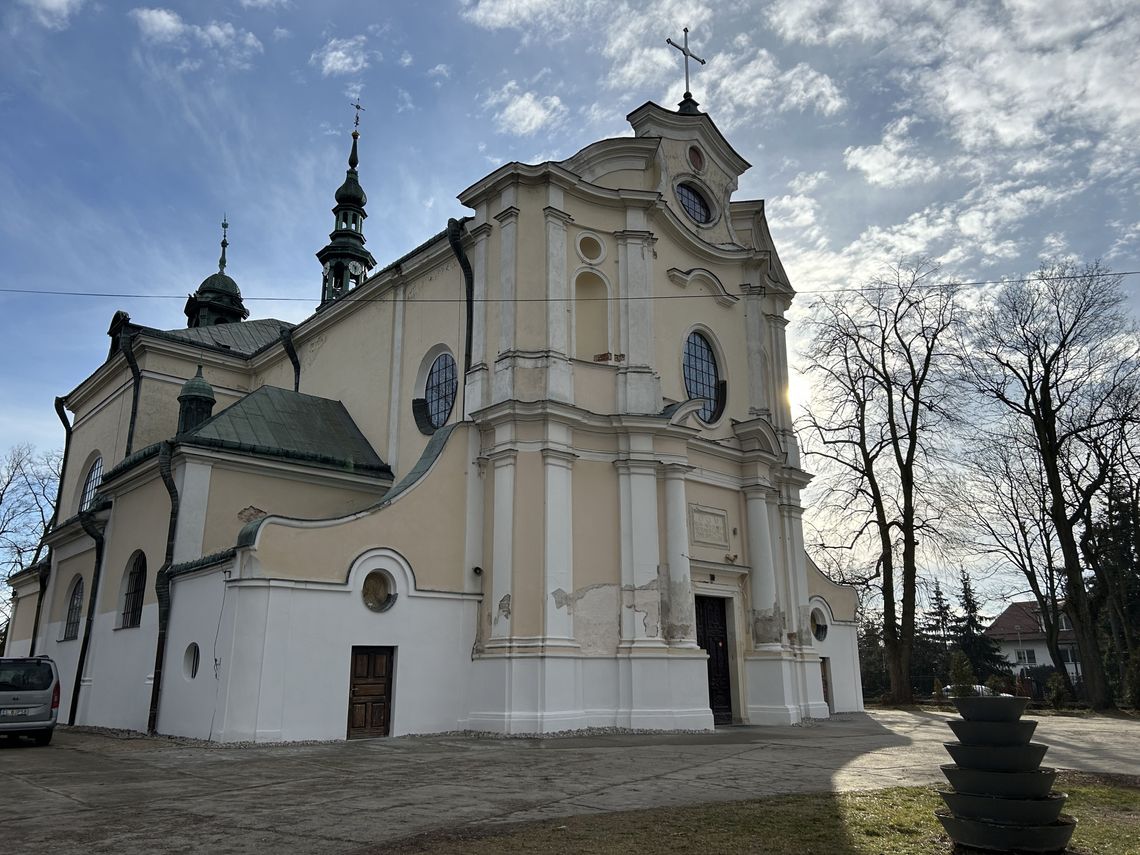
[[843, 600], [231, 491], [726, 500], [23, 615], [140, 519], [628, 179], [350, 362], [527, 597], [65, 571], [101, 429], [597, 525], [427, 324], [714, 181], [277, 370], [426, 525]]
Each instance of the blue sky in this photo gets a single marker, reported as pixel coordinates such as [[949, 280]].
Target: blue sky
[[984, 134]]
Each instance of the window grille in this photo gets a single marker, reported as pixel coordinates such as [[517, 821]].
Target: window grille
[[702, 376], [136, 587], [74, 607], [440, 389], [91, 484], [694, 203]]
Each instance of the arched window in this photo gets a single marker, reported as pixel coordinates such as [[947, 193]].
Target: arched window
[[74, 607], [591, 316], [91, 484], [134, 586], [702, 377]]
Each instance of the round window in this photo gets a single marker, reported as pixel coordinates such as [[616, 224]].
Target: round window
[[377, 592], [591, 249], [702, 377], [694, 203], [440, 389], [818, 625], [696, 158], [190, 661]]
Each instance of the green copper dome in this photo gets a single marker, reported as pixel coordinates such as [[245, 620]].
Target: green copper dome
[[219, 283], [197, 387]]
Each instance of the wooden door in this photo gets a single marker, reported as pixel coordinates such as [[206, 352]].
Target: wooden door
[[825, 672], [370, 692], [712, 636]]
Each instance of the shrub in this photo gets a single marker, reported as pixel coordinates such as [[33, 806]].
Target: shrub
[[962, 675], [1055, 690]]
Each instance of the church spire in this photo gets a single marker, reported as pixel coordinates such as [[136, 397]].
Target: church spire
[[217, 300], [344, 259]]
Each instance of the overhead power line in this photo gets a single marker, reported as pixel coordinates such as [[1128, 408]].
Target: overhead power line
[[978, 284]]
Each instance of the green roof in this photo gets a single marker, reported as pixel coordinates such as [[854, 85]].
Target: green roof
[[241, 339], [282, 423]]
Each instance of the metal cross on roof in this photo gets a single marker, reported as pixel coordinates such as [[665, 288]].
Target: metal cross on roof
[[359, 107], [688, 53]]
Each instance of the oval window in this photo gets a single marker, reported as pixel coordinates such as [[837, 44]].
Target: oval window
[[377, 591], [818, 625], [702, 377], [694, 203], [440, 389], [696, 159], [190, 660]]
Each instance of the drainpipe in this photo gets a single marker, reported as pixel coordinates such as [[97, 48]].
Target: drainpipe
[[129, 354], [454, 238], [94, 530], [45, 572], [162, 584], [291, 352]]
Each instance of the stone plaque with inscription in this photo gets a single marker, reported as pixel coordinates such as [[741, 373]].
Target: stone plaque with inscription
[[708, 526]]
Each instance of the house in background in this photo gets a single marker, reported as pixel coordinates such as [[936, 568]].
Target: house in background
[[1020, 635], [536, 475]]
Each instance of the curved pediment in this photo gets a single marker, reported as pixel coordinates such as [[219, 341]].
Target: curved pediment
[[705, 277]]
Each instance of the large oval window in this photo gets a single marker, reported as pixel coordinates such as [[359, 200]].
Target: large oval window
[[702, 377], [440, 389], [694, 203]]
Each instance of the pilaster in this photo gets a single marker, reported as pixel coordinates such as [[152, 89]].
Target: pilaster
[[558, 581], [681, 625], [503, 463], [641, 595]]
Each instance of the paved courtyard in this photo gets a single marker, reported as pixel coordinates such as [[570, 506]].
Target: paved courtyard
[[90, 792]]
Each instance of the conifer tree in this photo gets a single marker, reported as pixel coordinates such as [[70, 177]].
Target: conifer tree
[[969, 634]]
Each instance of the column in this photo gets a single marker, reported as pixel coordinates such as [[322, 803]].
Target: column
[[681, 629], [395, 366], [638, 388], [641, 596], [766, 623], [755, 334], [559, 381], [558, 573], [502, 541], [508, 218], [477, 395]]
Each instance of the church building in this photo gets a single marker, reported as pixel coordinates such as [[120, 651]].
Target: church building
[[536, 475]]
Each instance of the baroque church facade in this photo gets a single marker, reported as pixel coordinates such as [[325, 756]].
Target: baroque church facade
[[536, 475]]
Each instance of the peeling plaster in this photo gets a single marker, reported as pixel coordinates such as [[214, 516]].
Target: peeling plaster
[[767, 625], [680, 620], [646, 601], [597, 626], [504, 611]]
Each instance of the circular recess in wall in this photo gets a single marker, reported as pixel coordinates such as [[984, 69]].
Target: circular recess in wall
[[378, 591], [591, 248], [190, 661], [696, 158], [818, 625]]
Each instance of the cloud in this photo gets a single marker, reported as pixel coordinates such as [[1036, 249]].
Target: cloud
[[745, 82], [354, 89], [524, 113], [405, 59], [230, 45], [53, 14], [805, 182], [892, 162], [263, 4], [440, 70], [404, 101], [341, 56]]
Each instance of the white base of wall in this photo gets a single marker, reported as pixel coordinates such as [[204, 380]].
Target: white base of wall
[[780, 688], [551, 694]]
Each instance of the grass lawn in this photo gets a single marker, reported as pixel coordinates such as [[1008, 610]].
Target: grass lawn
[[897, 821]]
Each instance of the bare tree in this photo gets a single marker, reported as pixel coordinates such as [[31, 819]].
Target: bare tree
[[1058, 353], [1000, 511], [28, 482], [881, 389]]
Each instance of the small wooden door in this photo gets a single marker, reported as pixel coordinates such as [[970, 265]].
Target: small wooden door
[[712, 636], [370, 692], [825, 672]]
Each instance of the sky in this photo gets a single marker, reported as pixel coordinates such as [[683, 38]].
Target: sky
[[985, 135]]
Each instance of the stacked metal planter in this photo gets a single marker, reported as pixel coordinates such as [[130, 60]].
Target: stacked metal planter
[[1002, 799]]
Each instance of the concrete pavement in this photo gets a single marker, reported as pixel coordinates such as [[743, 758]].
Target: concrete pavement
[[91, 792]]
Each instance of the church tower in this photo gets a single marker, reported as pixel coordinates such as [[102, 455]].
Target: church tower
[[345, 260], [217, 300]]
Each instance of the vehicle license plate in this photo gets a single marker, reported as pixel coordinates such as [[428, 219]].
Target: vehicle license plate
[[14, 712]]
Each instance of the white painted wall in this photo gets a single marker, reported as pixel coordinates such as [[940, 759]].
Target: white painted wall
[[841, 647], [119, 664]]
